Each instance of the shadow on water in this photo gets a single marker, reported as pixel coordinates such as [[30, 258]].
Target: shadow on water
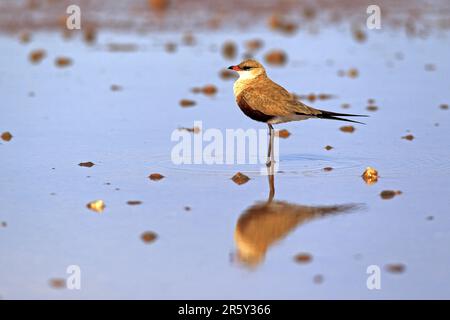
[[265, 223]]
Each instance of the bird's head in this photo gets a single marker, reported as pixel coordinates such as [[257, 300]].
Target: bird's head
[[249, 69]]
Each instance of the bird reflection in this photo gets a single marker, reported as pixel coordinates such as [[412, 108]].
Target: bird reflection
[[267, 222]]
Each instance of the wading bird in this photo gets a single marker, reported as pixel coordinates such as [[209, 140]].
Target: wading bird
[[263, 100]]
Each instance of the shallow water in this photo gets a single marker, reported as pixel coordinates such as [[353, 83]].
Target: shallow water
[[74, 117]]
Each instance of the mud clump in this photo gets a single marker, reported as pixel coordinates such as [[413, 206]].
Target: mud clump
[[90, 34], [229, 50], [6, 136], [318, 279], [188, 39], [194, 130], [278, 23], [372, 108], [226, 74], [36, 56], [149, 237], [170, 47], [328, 148], [134, 202], [282, 133], [348, 129], [115, 87], [327, 169], [353, 73], [430, 67], [408, 137], [185, 103], [370, 175], [303, 258], [389, 194], [359, 35], [254, 45], [122, 47], [395, 268], [209, 90], [276, 57], [240, 178], [96, 205], [156, 176]]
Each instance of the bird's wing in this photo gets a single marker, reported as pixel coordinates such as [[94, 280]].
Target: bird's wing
[[272, 99]]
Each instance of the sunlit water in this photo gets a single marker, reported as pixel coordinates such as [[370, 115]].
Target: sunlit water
[[74, 117]]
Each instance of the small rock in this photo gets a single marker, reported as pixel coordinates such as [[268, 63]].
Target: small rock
[[282, 133], [188, 39], [370, 175], [90, 34], [226, 74], [229, 50], [348, 129], [395, 268], [276, 57], [408, 137], [359, 35], [6, 136], [353, 73], [63, 62], [36, 56], [149, 236], [328, 148], [209, 90], [57, 283], [86, 164], [115, 87], [170, 47], [253, 45], [134, 202], [187, 103], [97, 205], [389, 194], [303, 258]]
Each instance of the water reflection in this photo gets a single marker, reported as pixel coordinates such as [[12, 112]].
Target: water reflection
[[265, 223]]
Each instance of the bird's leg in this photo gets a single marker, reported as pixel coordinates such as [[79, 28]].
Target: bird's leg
[[270, 158]]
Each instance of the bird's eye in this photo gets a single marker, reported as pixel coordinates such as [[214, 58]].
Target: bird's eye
[[246, 68]]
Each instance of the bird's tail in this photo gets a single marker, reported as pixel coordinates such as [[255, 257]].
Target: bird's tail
[[335, 116]]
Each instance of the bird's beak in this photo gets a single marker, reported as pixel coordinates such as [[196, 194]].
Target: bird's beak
[[235, 68]]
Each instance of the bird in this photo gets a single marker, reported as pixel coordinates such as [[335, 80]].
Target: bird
[[263, 100]]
